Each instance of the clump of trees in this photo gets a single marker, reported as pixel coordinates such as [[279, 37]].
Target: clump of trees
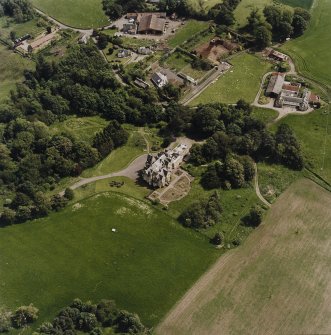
[[20, 318], [222, 13], [277, 24], [202, 214], [200, 64], [254, 217], [115, 9], [19, 10], [92, 318]]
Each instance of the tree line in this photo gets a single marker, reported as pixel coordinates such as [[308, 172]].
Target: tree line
[[93, 318]]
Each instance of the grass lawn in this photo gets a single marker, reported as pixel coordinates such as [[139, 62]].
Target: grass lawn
[[146, 266], [240, 82], [314, 134], [190, 28], [12, 67], [264, 114], [75, 13], [312, 51], [277, 282], [83, 128], [182, 63], [121, 157]]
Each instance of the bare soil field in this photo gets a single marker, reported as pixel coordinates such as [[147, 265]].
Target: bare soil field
[[211, 52], [277, 282]]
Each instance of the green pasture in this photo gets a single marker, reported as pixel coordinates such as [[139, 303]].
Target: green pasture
[[12, 67], [75, 13], [311, 52], [190, 28], [314, 133], [146, 265], [242, 81], [203, 5], [298, 3]]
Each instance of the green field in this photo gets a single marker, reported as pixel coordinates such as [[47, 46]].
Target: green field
[[265, 115], [190, 28], [312, 51], [276, 283], [75, 13], [12, 67], [83, 128], [145, 266], [240, 82], [314, 133]]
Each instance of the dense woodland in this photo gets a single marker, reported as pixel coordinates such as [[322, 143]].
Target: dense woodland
[[19, 10]]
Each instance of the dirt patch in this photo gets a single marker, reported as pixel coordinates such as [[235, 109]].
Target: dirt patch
[[215, 49], [177, 189], [277, 282]]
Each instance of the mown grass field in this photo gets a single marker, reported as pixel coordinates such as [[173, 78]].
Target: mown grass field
[[12, 67], [266, 115], [146, 265], [190, 28], [276, 283], [311, 52], [75, 13], [314, 133], [240, 82]]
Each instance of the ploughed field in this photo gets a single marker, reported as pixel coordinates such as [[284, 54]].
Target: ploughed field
[[277, 282], [146, 265]]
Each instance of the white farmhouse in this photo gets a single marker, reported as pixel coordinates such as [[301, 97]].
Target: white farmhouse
[[159, 79]]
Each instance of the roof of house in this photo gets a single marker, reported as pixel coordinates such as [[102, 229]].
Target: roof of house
[[289, 87], [275, 83], [158, 77], [277, 54], [151, 22]]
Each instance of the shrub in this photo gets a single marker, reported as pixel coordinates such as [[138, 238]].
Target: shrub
[[5, 320], [24, 315]]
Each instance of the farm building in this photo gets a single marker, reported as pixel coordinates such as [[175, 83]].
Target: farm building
[[159, 79], [290, 94], [277, 55], [159, 168], [144, 51], [141, 83], [151, 24], [275, 84]]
